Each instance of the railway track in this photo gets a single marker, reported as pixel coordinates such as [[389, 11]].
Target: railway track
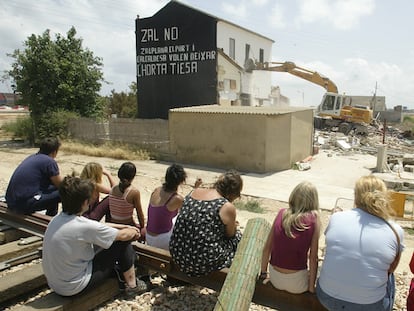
[[18, 285]]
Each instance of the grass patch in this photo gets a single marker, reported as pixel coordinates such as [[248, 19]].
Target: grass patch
[[109, 150], [410, 231], [249, 205]]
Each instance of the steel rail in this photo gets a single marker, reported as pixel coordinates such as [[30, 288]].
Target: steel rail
[[35, 224], [20, 260]]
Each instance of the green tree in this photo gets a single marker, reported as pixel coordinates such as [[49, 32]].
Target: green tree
[[56, 75], [124, 104]]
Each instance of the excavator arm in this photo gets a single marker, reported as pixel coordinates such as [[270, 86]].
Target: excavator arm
[[300, 72]]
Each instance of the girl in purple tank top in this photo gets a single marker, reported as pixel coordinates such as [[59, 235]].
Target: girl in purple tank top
[[163, 207], [292, 244]]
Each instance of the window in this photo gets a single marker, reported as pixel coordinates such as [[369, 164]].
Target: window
[[229, 84], [261, 55], [247, 52], [338, 103], [232, 48], [329, 103], [233, 84]]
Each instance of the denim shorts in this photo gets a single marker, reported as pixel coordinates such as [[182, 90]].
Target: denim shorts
[[333, 304]]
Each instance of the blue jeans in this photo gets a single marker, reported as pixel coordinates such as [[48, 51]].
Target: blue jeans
[[46, 200], [104, 262], [384, 304]]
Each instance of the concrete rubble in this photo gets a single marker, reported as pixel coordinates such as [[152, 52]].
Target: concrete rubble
[[398, 169]]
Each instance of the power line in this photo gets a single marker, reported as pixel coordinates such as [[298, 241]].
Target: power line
[[63, 17]]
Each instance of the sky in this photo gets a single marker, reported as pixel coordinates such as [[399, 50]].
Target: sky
[[363, 46]]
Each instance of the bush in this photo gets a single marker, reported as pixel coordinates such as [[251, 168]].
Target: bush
[[408, 121], [54, 123], [249, 205], [21, 128], [51, 124]]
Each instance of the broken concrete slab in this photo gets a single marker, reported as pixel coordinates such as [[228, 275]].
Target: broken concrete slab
[[343, 144]]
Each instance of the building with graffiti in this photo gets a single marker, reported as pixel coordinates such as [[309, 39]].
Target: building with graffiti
[[186, 57]]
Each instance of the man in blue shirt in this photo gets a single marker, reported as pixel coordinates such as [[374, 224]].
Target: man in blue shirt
[[33, 185]]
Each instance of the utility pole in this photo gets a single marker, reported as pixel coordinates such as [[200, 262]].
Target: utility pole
[[374, 98]]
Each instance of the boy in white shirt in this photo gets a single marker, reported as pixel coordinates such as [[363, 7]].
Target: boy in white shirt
[[78, 253]]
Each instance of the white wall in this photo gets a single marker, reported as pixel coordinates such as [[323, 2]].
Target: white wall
[[261, 84], [225, 31], [227, 71], [256, 83]]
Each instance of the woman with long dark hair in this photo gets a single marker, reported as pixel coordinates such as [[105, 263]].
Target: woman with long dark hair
[[124, 198], [163, 207]]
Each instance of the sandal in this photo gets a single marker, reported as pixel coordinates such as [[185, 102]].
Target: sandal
[[141, 287]]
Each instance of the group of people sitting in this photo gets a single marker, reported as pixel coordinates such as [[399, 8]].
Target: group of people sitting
[[363, 245]]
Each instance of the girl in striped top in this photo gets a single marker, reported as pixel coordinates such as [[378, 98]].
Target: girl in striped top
[[124, 198]]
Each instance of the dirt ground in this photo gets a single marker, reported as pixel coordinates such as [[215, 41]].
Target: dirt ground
[[150, 175]]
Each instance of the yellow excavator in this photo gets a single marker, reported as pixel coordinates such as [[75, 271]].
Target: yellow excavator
[[290, 67], [333, 112]]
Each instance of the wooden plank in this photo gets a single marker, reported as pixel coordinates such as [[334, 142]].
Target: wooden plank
[[267, 295], [160, 260], [20, 282], [85, 301]]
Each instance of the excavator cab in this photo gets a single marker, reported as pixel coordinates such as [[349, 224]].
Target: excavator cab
[[331, 105]]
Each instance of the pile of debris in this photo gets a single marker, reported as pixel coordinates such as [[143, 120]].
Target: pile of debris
[[398, 168], [398, 142]]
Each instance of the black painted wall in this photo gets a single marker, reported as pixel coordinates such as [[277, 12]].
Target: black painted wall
[[176, 60]]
